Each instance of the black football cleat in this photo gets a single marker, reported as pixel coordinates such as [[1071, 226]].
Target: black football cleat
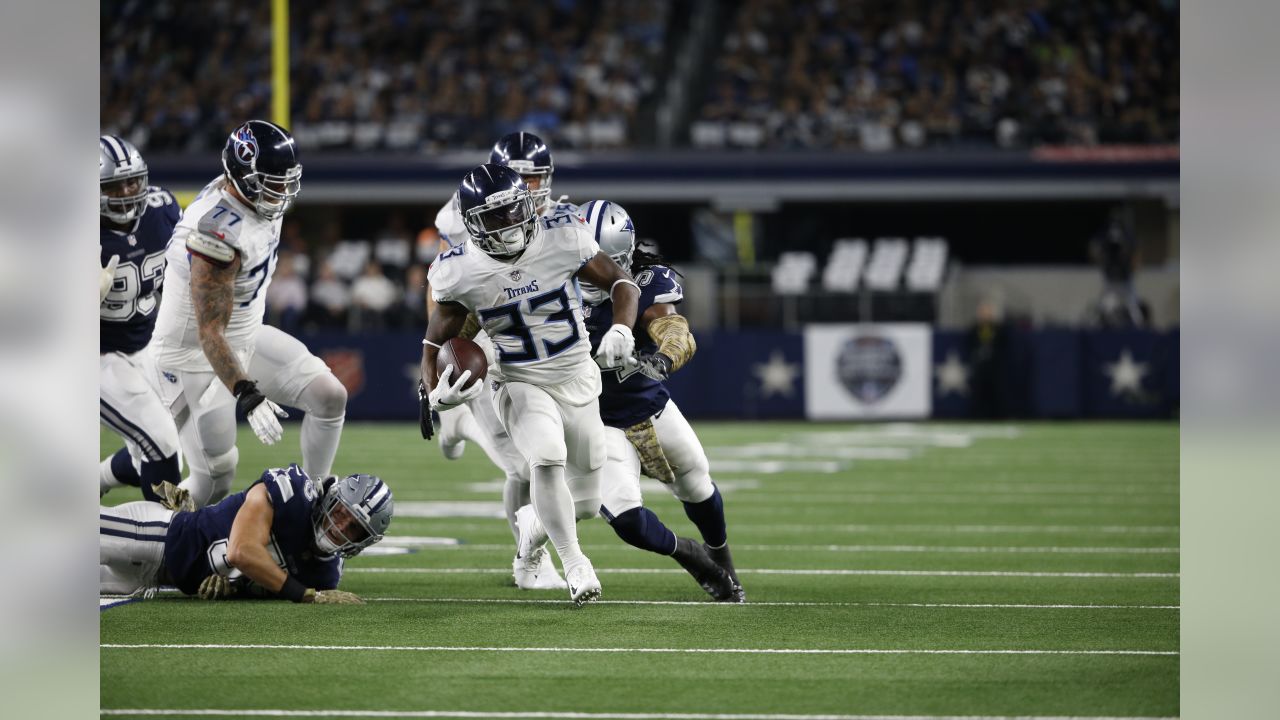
[[711, 577], [722, 557]]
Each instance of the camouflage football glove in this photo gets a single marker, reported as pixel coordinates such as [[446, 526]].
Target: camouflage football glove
[[334, 597], [215, 587]]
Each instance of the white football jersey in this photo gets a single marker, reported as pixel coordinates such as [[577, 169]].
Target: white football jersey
[[225, 221], [529, 307], [452, 230]]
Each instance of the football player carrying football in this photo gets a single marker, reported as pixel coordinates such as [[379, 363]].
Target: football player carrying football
[[517, 272]]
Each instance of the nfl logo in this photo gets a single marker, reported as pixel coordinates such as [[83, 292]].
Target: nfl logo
[[515, 276]]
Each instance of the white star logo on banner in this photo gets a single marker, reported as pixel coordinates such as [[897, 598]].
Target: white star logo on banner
[[953, 375], [1126, 375], [777, 377]]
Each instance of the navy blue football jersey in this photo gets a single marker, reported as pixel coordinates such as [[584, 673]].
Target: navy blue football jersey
[[196, 545], [631, 398], [128, 315]]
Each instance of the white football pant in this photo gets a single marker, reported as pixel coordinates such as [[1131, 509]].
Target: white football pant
[[131, 546], [129, 404], [620, 483], [205, 411]]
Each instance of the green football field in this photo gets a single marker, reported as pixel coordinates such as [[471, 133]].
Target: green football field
[[936, 570]]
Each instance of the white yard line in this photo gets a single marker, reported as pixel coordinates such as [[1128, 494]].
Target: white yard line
[[994, 529], [1033, 549], [622, 650], [789, 571], [705, 604], [529, 715]]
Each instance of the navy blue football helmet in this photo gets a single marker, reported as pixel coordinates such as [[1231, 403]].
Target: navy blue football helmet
[[261, 161], [528, 155], [497, 209]]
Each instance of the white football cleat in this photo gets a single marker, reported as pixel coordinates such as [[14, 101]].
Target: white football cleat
[[532, 567], [584, 586]]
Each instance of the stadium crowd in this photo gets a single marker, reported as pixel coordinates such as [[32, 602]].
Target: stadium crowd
[[438, 74], [381, 75], [880, 75]]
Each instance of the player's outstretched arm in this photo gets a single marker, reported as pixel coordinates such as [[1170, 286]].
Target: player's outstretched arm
[[445, 323], [670, 331], [617, 342], [247, 548], [212, 294]]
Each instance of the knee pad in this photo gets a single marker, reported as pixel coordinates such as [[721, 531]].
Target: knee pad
[[325, 397], [693, 485], [222, 474]]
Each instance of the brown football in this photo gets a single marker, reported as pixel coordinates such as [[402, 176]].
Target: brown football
[[462, 354]]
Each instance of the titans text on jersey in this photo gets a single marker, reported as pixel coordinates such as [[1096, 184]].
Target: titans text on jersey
[[128, 315], [630, 398], [196, 544]]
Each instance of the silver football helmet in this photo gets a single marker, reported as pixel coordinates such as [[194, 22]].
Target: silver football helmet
[[123, 173], [366, 499], [613, 230]]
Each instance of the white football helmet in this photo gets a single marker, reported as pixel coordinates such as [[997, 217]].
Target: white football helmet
[[615, 233]]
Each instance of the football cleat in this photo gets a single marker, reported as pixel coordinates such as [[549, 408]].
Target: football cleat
[[532, 567], [584, 586], [711, 577], [722, 557], [173, 497]]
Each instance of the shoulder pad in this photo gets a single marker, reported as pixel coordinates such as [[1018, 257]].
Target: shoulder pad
[[217, 235], [449, 221], [285, 484], [660, 283], [444, 273], [164, 201]]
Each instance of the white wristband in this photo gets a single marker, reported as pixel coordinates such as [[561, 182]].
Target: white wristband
[[618, 282], [428, 342]]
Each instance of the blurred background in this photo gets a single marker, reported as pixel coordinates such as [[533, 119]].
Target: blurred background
[[880, 209]]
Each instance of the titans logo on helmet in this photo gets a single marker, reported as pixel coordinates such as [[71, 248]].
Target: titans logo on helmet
[[246, 145]]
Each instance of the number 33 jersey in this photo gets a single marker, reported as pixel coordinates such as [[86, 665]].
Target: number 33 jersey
[[128, 314], [530, 307], [218, 228]]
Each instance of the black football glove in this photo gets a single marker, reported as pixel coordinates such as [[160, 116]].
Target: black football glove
[[656, 366], [425, 423]]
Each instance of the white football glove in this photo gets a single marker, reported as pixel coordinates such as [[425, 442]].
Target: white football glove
[[262, 413], [106, 277], [616, 344], [448, 395]]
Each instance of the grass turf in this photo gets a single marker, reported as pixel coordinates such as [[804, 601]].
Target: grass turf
[[1016, 510]]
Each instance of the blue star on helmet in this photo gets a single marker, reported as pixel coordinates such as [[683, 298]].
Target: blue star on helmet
[[629, 227]]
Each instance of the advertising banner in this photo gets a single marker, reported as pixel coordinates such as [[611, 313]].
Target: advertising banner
[[868, 371]]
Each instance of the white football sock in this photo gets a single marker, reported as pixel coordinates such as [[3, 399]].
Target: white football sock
[[320, 438], [554, 505], [515, 495]]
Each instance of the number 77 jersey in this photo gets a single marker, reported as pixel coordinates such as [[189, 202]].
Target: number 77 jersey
[[530, 307], [217, 228]]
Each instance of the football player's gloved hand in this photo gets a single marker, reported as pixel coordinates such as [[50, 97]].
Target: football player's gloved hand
[[215, 587], [656, 366], [335, 597], [424, 412], [261, 412], [616, 344], [452, 394], [106, 277]]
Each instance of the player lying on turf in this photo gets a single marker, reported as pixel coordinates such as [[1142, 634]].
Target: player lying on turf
[[644, 429], [518, 273], [283, 537]]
